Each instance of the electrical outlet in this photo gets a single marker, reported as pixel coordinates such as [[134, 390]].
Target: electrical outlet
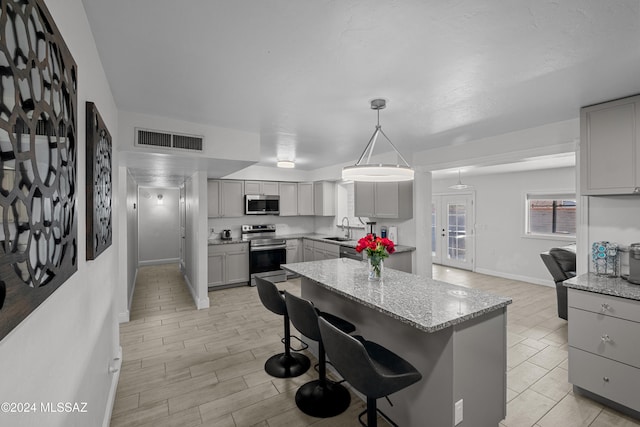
[[458, 412]]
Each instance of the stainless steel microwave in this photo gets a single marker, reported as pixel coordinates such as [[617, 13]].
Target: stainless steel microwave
[[259, 204]]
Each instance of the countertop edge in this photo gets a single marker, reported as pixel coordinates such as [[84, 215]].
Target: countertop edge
[[312, 236], [612, 286]]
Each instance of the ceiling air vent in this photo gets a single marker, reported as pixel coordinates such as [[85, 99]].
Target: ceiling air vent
[[152, 138]]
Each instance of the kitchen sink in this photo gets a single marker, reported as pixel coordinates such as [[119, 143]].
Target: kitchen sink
[[338, 239]]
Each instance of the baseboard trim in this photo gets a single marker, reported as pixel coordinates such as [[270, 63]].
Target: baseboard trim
[[534, 280], [159, 262], [111, 398], [201, 303], [125, 316]]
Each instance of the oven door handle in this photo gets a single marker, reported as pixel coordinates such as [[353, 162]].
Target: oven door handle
[[266, 248]]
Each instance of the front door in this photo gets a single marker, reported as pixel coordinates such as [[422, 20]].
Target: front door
[[452, 230]]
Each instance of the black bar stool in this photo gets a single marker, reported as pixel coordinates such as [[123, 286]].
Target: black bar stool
[[369, 367], [287, 364], [319, 398]]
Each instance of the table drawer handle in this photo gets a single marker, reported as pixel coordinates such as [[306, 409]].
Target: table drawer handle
[[605, 338], [605, 379], [605, 307]]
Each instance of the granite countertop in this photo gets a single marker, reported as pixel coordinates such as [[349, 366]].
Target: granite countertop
[[219, 241], [615, 286], [429, 305], [312, 236]]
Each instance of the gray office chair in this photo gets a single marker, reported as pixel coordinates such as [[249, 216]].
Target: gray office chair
[[319, 398], [561, 263], [370, 368], [287, 364]]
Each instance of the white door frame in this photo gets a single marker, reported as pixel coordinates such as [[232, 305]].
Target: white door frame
[[441, 231]]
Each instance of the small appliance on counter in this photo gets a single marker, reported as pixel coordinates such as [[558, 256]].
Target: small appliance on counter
[[383, 231], [606, 259], [393, 234], [225, 235], [634, 263]]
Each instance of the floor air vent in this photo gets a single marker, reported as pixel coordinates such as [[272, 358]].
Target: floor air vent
[[151, 138]]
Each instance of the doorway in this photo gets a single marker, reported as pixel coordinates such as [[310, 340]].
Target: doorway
[[452, 230]]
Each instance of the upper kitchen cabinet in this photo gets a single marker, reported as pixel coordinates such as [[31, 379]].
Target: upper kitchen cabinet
[[288, 198], [305, 198], [324, 198], [267, 188], [226, 198], [610, 147], [384, 199]]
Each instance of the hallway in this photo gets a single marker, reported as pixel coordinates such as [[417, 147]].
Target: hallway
[[186, 367]]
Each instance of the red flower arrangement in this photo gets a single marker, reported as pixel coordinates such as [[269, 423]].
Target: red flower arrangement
[[378, 248]]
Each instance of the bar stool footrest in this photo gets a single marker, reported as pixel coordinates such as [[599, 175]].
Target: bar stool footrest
[[303, 344]]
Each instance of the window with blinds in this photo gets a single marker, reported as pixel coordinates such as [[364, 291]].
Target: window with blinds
[[551, 214]]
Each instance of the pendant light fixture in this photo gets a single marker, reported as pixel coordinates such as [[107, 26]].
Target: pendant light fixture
[[377, 172], [460, 185]]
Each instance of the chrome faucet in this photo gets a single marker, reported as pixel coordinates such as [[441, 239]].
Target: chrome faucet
[[348, 233]]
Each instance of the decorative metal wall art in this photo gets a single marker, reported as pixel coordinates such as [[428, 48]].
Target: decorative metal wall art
[[99, 187], [38, 108]]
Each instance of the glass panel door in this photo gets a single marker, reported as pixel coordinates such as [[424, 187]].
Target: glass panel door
[[452, 230]]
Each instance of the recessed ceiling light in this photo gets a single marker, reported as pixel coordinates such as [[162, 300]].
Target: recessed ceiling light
[[286, 164]]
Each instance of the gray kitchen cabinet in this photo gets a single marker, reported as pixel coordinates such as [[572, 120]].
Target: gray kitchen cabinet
[[324, 198], [315, 250], [305, 198], [215, 268], [384, 199], [293, 251], [228, 264], [269, 188], [225, 198], [213, 198], [604, 357], [308, 253], [610, 147], [400, 261], [325, 250], [288, 198]]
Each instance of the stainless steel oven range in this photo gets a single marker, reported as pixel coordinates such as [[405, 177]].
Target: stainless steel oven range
[[266, 252]]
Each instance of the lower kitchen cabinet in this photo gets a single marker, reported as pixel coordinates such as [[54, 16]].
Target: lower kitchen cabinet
[[400, 261], [604, 357], [294, 253], [317, 251], [228, 264]]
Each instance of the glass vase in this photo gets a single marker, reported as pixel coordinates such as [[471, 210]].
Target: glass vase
[[376, 268]]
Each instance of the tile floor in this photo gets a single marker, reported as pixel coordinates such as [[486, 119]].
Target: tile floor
[[186, 367]]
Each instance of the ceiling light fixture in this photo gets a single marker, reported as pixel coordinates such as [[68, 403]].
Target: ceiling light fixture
[[286, 164], [460, 185], [377, 172]]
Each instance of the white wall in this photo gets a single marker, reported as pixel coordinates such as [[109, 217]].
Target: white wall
[[614, 219], [128, 259], [553, 138], [62, 351], [219, 143], [195, 245], [501, 246], [158, 225]]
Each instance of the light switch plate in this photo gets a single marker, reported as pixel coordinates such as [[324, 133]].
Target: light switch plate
[[458, 412]]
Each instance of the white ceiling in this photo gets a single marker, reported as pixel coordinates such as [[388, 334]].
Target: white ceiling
[[301, 73]]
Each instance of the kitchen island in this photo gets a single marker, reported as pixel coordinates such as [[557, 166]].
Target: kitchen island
[[455, 336]]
